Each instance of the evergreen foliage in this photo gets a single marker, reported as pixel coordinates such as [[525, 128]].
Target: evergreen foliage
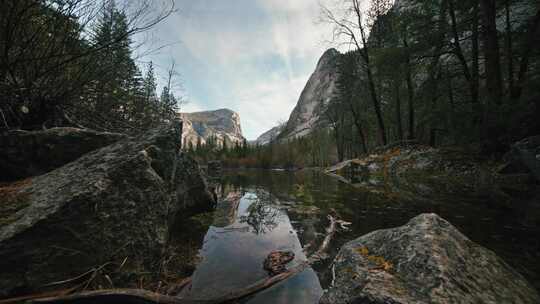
[[438, 72], [442, 72], [70, 63]]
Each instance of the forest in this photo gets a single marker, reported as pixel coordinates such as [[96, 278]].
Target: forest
[[444, 73], [74, 63], [407, 172], [439, 73]]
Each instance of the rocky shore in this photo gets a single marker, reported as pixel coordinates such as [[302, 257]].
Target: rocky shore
[[410, 170]]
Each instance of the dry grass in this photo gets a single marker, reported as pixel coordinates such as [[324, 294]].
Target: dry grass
[[12, 199]]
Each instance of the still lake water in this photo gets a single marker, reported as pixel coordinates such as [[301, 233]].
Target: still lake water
[[261, 211]]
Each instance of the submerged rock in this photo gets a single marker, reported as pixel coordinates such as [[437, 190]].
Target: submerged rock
[[425, 261], [30, 153], [111, 205], [275, 263]]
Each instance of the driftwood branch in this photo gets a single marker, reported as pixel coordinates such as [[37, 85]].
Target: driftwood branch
[[139, 296], [131, 296], [320, 254]]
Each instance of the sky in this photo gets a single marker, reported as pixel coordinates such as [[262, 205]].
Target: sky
[[251, 56]]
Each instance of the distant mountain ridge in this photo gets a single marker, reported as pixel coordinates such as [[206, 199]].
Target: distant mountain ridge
[[270, 135], [222, 125]]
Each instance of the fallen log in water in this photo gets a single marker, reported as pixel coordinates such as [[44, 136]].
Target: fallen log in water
[[320, 254], [139, 296]]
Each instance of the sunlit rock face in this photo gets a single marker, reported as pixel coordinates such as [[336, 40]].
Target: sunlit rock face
[[220, 125], [317, 94]]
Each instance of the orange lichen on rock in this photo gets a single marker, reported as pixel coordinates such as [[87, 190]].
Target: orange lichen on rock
[[380, 262]]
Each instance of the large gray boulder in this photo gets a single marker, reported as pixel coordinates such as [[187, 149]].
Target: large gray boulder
[[114, 205], [30, 153], [425, 261]]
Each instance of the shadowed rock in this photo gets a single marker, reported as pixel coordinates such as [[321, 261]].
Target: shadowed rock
[[425, 261], [112, 204], [30, 153]]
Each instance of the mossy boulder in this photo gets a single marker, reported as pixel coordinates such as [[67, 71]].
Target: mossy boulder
[[425, 261]]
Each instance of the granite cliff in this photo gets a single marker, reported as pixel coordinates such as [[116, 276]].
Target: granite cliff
[[221, 125]]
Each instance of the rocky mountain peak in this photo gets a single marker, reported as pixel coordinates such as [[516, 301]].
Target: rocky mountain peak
[[223, 125], [309, 111], [328, 57], [319, 90]]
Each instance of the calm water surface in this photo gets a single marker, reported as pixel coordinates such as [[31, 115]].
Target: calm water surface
[[261, 211]]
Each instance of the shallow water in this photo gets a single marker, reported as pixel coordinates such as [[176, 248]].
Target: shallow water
[[233, 254], [261, 211]]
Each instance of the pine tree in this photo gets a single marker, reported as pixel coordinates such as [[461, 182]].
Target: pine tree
[[168, 103], [116, 75]]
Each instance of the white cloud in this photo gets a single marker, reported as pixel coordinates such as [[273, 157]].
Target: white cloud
[[266, 103]]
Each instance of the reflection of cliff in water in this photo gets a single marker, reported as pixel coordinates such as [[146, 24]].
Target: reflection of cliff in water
[[246, 229], [227, 209]]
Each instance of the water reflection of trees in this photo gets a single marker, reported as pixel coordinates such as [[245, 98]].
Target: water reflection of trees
[[261, 216]]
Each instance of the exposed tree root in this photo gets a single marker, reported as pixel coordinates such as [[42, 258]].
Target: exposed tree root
[[140, 296]]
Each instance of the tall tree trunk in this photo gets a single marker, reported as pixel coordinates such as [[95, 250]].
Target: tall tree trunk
[[509, 53], [358, 123], [363, 140], [376, 105], [452, 101], [410, 91], [364, 52], [398, 113], [475, 69], [530, 37], [491, 52], [458, 51], [433, 69]]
